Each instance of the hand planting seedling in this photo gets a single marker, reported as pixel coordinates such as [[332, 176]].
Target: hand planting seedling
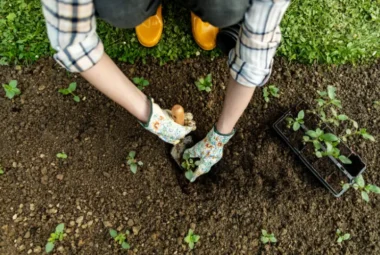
[[270, 91], [56, 236], [120, 238], [189, 165], [297, 122], [204, 83], [70, 90], [342, 236], [62, 155], [364, 189], [11, 89], [191, 239], [132, 162], [266, 237], [140, 82]]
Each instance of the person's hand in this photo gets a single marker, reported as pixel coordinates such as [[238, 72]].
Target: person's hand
[[161, 123], [209, 151]]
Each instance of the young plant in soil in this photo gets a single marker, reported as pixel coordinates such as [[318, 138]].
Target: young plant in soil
[[120, 238], [297, 122], [359, 184], [140, 82], [11, 89], [1, 170], [56, 236], [191, 239], [132, 162], [189, 165], [61, 155], [270, 91], [376, 104], [266, 237], [70, 90], [342, 236], [204, 84]]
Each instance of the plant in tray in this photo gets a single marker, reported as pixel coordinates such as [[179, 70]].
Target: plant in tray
[[297, 122], [132, 162], [342, 236], [189, 165], [70, 90], [191, 239], [365, 190], [120, 238], [267, 238], [56, 236]]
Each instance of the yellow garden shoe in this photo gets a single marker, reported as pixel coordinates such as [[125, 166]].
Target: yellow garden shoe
[[204, 33], [149, 32]]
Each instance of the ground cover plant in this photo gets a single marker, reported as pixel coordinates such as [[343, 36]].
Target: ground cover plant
[[120, 238], [11, 89], [270, 91], [346, 30], [54, 237], [70, 91]]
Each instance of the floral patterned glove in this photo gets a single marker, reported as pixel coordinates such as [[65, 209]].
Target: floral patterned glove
[[161, 123], [209, 151]]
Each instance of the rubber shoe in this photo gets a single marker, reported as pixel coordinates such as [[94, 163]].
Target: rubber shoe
[[204, 33], [150, 31]]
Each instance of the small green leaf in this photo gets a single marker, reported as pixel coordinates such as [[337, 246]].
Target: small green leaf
[[132, 154], [365, 196], [340, 239], [306, 138], [60, 228], [133, 167], [191, 245], [125, 246], [13, 83], [11, 16], [337, 103], [355, 124], [346, 236], [145, 83], [374, 188], [338, 231], [264, 239], [329, 147], [346, 186], [296, 126], [140, 163], [208, 78], [49, 247], [202, 80], [301, 114], [76, 99], [345, 160], [189, 175], [329, 137], [318, 154], [72, 87], [273, 239], [196, 238], [1, 171], [342, 117], [322, 93], [64, 91], [360, 181], [61, 155], [312, 133], [264, 232], [113, 233], [187, 239], [331, 92], [368, 137], [136, 80], [348, 131]]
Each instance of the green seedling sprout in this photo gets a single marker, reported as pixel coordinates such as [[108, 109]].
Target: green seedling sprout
[[342, 236], [11, 89], [56, 236], [1, 170], [120, 238], [204, 84], [132, 162], [140, 82], [359, 184], [191, 239], [297, 122], [61, 155], [70, 90], [376, 104], [266, 237], [189, 165], [270, 91]]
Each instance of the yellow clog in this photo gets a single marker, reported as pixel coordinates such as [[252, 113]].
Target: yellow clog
[[149, 32], [204, 33]]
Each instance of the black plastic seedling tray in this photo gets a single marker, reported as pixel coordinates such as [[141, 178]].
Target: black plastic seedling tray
[[339, 170]]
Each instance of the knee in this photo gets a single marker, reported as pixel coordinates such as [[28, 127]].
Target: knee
[[123, 14], [224, 13]]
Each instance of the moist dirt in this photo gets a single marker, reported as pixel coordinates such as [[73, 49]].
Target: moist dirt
[[259, 184]]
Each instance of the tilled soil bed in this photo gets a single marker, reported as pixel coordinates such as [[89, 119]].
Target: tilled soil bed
[[259, 184]]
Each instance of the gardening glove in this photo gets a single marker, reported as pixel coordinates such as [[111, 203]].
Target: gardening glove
[[209, 151], [161, 123]]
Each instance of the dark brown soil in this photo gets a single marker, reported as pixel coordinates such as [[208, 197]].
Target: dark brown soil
[[259, 184]]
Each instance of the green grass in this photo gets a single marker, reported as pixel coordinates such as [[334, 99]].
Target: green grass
[[323, 31]]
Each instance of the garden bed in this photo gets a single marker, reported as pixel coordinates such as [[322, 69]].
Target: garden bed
[[259, 184]]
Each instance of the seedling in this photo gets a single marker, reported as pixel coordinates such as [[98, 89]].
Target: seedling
[[266, 237], [56, 236], [270, 91], [359, 184], [204, 83], [1, 170], [62, 155], [191, 239], [132, 162], [189, 165], [140, 82], [120, 238], [376, 104], [11, 89], [342, 236], [70, 90], [297, 122]]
